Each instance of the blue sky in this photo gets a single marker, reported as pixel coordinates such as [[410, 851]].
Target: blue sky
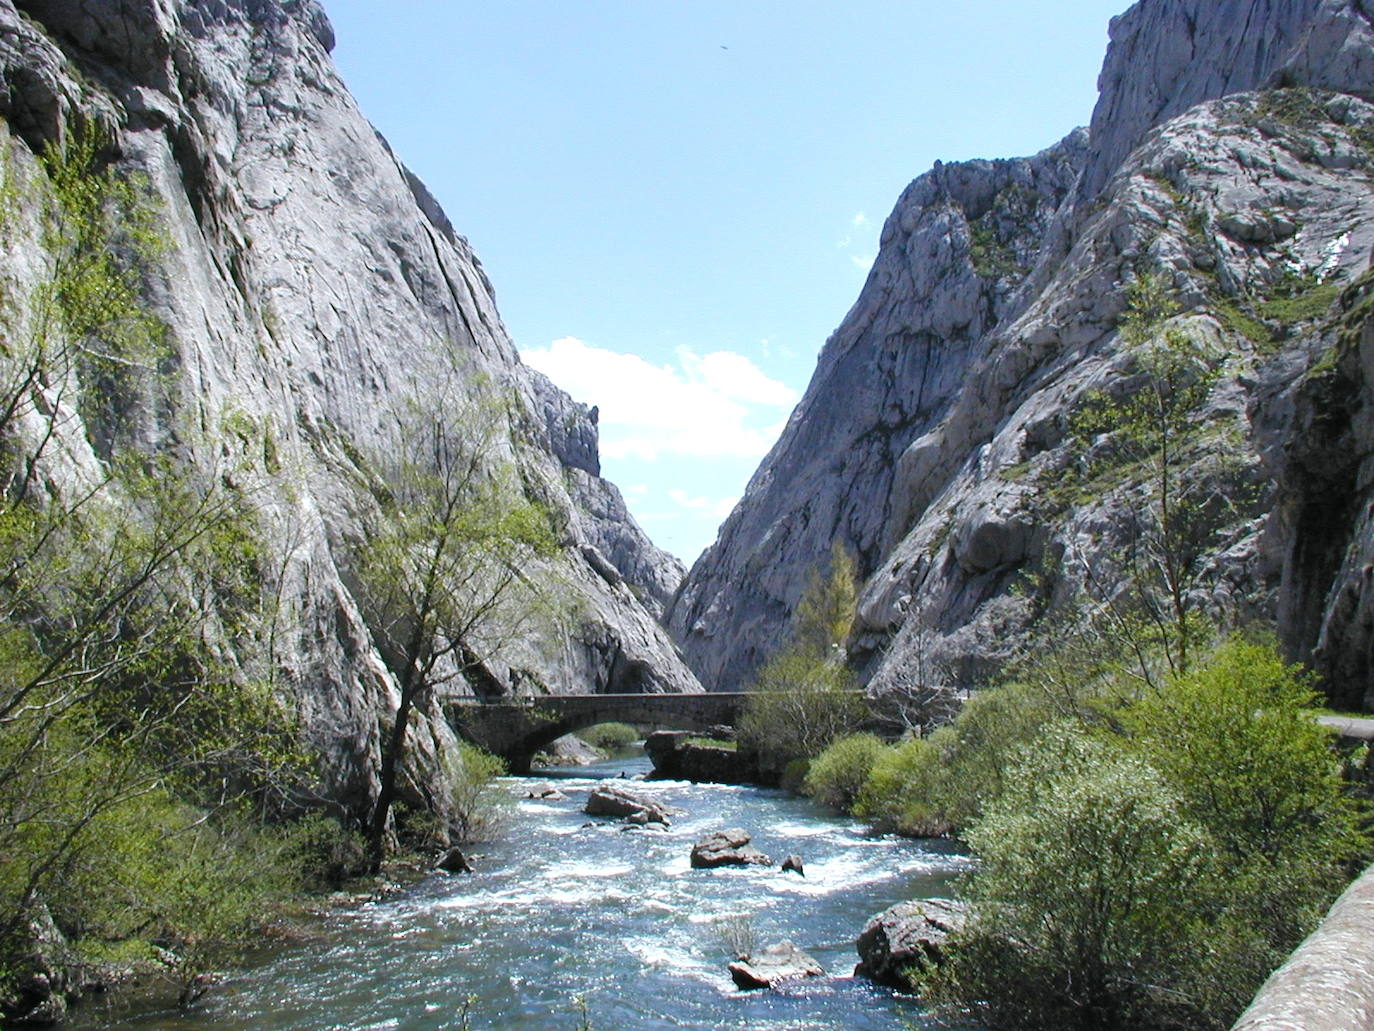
[[678, 200]]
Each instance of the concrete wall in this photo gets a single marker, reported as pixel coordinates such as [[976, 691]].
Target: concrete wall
[[1328, 982]]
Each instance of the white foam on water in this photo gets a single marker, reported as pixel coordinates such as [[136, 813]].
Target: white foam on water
[[560, 832]]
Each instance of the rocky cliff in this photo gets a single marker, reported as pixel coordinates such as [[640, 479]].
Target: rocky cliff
[[1230, 156], [310, 285]]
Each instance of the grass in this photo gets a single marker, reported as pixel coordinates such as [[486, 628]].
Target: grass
[[713, 742]]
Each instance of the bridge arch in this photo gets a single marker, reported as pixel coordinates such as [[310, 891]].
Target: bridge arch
[[517, 730]]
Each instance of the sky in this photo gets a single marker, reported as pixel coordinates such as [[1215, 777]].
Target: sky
[[677, 201]]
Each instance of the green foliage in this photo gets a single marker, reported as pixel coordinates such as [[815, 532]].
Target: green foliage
[[825, 614], [839, 773], [714, 742], [797, 706], [804, 697], [1084, 861], [1307, 300], [992, 259], [443, 570], [479, 807], [928, 786], [1149, 870], [1299, 107], [129, 750], [1151, 429], [326, 852], [610, 735], [1013, 210]]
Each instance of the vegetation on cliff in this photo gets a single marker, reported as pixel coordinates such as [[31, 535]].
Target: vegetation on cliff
[[1158, 818], [153, 794]]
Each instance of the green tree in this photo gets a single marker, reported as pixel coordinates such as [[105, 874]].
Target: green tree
[[119, 573], [824, 615], [1149, 429], [804, 696], [441, 572]]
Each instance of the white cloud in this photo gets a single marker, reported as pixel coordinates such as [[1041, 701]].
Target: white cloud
[[718, 508], [704, 406], [863, 261], [859, 221]]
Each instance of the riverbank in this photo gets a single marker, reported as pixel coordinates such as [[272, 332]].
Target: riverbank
[[566, 906]]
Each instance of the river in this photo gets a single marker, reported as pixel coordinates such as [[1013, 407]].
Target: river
[[559, 911]]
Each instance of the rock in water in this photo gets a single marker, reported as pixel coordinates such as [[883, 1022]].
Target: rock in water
[[455, 861], [614, 800], [793, 864], [727, 848], [769, 967], [905, 936]]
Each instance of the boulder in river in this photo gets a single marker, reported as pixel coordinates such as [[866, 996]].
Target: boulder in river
[[677, 756], [794, 864], [770, 966], [614, 800], [906, 936], [545, 792], [455, 861], [727, 848]]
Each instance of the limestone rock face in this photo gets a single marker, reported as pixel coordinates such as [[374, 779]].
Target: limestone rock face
[[311, 286], [937, 438], [952, 254]]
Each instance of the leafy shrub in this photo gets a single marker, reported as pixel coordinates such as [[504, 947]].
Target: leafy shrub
[[327, 854], [799, 704], [610, 736], [1149, 871], [927, 786], [1084, 860], [902, 792], [839, 773], [479, 806]]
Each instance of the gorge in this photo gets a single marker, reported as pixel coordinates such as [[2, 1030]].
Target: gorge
[[308, 293]]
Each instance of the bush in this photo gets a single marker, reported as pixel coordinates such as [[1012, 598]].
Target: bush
[[840, 772], [928, 786], [1085, 862], [1150, 871], [903, 791], [610, 736], [479, 806], [327, 854], [800, 704]]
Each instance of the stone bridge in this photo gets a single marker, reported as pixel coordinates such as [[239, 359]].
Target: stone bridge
[[516, 730]]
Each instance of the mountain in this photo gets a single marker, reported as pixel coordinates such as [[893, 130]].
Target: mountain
[[1230, 156], [310, 285]]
